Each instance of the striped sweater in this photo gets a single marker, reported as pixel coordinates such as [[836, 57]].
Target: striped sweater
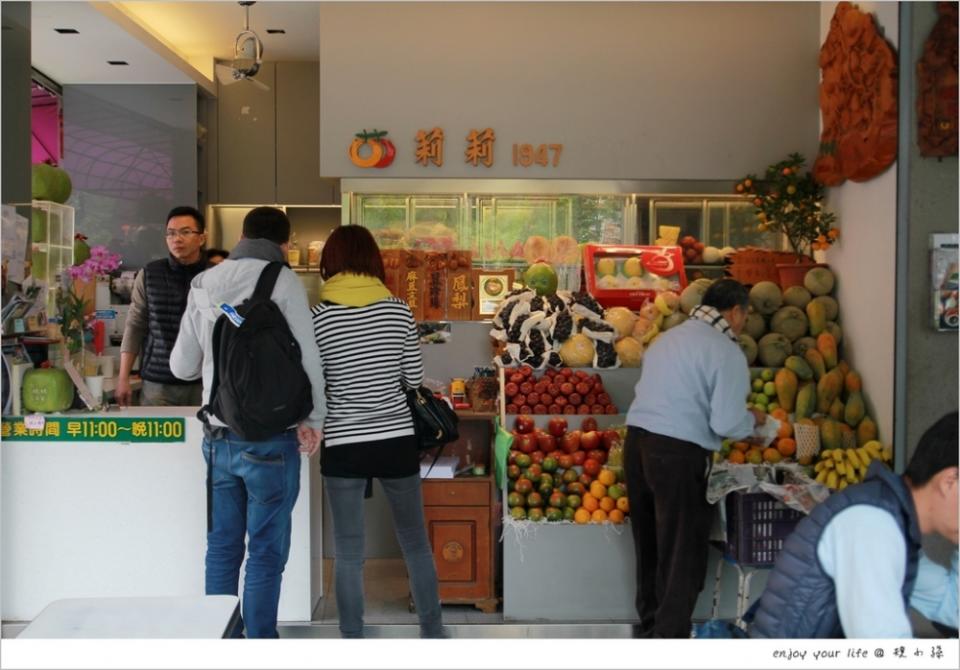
[[369, 354]]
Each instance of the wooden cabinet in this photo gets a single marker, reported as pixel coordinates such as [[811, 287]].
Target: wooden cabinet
[[460, 523]]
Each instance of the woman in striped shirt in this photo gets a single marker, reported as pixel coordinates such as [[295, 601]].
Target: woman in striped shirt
[[370, 350]]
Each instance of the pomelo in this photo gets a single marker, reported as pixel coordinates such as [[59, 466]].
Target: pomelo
[[542, 278]]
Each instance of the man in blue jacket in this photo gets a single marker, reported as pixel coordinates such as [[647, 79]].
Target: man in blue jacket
[[854, 566], [691, 394]]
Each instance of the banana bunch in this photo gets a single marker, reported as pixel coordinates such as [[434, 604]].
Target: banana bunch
[[839, 468]]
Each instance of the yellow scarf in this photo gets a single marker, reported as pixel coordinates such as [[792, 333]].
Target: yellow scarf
[[352, 290]]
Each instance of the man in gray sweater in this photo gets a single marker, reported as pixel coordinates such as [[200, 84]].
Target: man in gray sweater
[[253, 484]]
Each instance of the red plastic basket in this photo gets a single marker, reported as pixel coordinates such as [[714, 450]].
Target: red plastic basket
[[757, 525]]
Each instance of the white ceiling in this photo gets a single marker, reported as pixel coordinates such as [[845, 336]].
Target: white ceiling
[[196, 32]]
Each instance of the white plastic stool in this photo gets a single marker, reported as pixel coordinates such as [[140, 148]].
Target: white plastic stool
[[744, 575]]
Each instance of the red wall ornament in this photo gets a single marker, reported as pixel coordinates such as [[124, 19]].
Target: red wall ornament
[[937, 87], [858, 100]]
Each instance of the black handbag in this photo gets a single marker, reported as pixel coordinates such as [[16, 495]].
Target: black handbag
[[435, 423]]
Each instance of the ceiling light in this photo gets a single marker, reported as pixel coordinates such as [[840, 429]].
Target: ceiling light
[[67, 31], [276, 31], [117, 62]]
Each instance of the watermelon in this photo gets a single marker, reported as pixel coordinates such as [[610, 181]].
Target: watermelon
[[47, 390]]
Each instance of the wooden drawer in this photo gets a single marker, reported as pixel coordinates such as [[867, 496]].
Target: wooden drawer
[[455, 492], [461, 541]]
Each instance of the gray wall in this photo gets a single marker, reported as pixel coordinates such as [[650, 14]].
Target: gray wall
[[131, 152], [931, 374], [632, 90], [15, 186]]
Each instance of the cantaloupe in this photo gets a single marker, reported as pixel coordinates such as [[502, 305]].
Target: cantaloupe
[[577, 352], [692, 296], [749, 348], [819, 281], [831, 307], [797, 296], [756, 326], [773, 349], [622, 319], [630, 351], [789, 321], [765, 297]]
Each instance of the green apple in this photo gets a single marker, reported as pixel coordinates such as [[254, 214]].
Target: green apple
[[757, 385], [770, 389], [772, 406], [762, 402], [767, 375]]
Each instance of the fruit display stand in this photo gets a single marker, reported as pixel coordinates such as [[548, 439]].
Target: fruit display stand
[[544, 562]]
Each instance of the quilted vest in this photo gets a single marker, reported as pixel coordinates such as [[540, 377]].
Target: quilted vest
[[166, 284], [800, 598]]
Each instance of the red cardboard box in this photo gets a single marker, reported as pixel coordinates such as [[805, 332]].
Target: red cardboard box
[[630, 275]]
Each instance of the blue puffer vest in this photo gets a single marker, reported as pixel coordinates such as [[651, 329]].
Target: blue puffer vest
[[166, 284], [800, 598]]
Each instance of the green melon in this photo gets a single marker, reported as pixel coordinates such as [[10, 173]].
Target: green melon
[[47, 390], [50, 183], [765, 297]]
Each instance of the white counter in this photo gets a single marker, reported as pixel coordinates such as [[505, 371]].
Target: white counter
[[113, 519]]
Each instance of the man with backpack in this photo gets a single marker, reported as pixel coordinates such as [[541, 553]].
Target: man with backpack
[[247, 332]]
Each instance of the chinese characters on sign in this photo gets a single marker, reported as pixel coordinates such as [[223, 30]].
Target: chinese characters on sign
[[430, 147], [480, 147], [96, 429]]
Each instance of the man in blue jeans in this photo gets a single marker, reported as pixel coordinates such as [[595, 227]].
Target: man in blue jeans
[[254, 484]]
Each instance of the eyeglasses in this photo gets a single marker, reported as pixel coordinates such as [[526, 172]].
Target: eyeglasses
[[186, 232]]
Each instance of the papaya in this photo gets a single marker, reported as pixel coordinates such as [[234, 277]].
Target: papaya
[[852, 382], [837, 410], [786, 383], [828, 390], [817, 315], [827, 346], [834, 329], [815, 359], [806, 401], [801, 346], [855, 409], [830, 436], [866, 431], [799, 367], [844, 368]]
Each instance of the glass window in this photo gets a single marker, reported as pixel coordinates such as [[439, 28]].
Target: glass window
[[687, 216], [734, 224]]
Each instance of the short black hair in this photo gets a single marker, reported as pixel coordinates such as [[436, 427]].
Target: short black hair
[[725, 294], [936, 451], [222, 253], [267, 223], [186, 210]]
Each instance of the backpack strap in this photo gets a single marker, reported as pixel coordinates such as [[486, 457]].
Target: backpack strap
[[206, 410], [268, 279]]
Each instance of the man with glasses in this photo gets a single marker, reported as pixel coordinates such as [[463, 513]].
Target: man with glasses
[[157, 304]]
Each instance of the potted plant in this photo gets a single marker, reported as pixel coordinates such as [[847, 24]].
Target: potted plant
[[790, 201]]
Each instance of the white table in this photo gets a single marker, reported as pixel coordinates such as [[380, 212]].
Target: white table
[[125, 618]]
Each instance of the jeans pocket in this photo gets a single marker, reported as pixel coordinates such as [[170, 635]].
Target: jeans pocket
[[265, 477]]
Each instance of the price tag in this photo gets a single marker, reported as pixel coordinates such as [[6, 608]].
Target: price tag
[[34, 421]]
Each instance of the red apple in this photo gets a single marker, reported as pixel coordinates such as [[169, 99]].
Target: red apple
[[598, 455], [540, 408], [540, 387], [553, 389], [603, 399], [570, 409], [546, 441], [557, 426], [555, 454], [560, 400], [526, 409], [511, 408], [597, 409], [579, 457], [588, 424], [576, 488], [519, 399], [511, 389], [688, 241], [533, 398], [612, 409], [525, 442], [570, 442], [565, 461], [589, 439], [591, 467], [590, 399], [524, 424], [517, 378], [546, 399], [526, 370], [512, 456], [566, 388], [575, 399], [526, 387], [537, 456], [610, 439], [554, 409], [583, 409], [583, 388], [566, 372]]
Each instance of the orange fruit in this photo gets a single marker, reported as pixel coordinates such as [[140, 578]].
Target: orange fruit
[[581, 516], [780, 414], [590, 503], [598, 516], [771, 455], [607, 477], [623, 504], [755, 456], [740, 446], [806, 459], [597, 490], [607, 503], [787, 446], [616, 516], [736, 456], [786, 429]]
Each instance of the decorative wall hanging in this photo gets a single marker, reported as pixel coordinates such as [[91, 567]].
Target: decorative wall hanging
[[937, 87], [858, 100], [372, 150]]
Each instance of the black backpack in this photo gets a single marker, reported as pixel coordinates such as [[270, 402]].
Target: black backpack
[[259, 386]]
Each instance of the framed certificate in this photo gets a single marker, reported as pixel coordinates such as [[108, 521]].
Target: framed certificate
[[490, 287]]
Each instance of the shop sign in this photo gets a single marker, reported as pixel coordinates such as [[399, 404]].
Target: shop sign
[[38, 428]]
